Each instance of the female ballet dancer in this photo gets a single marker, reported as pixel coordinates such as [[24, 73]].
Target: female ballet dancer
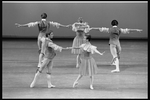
[[87, 65], [48, 50], [43, 26], [81, 28], [115, 47]]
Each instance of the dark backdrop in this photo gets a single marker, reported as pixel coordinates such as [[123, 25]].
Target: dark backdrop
[[97, 14]]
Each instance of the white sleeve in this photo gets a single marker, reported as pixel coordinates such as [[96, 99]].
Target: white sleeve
[[32, 24], [124, 30], [54, 23], [86, 30], [73, 27], [54, 46], [104, 29]]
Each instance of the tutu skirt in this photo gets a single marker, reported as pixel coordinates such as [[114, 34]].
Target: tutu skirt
[[87, 66]]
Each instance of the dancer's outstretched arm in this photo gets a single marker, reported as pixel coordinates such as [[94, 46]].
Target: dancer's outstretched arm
[[60, 25], [63, 25], [72, 47], [31, 24], [55, 46], [127, 30], [101, 29], [96, 51]]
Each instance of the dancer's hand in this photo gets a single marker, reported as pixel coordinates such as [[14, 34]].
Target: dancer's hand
[[139, 30], [100, 29], [18, 25], [102, 53]]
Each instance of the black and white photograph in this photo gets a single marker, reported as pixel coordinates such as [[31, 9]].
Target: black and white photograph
[[74, 49]]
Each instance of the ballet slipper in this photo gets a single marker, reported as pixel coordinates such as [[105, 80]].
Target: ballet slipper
[[91, 87], [115, 71], [75, 84], [32, 85], [51, 86], [77, 66]]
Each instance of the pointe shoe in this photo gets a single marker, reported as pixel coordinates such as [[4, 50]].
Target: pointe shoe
[[77, 66], [115, 71], [75, 84], [91, 87], [51, 86], [32, 85], [39, 65]]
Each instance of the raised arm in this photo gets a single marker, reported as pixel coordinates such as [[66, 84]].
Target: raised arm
[[31, 24]]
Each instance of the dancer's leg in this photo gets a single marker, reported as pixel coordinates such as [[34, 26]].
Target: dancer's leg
[[39, 71], [78, 60], [49, 67], [35, 78], [118, 48], [39, 43], [76, 81], [41, 55], [115, 57], [91, 82]]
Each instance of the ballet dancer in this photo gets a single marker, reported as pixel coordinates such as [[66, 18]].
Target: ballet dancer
[[114, 43], [43, 26], [48, 50], [81, 28], [87, 65]]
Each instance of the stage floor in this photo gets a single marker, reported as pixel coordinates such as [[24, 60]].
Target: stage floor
[[20, 59]]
